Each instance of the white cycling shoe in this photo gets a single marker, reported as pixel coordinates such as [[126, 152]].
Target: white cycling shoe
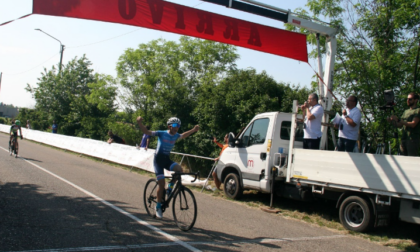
[[158, 213]]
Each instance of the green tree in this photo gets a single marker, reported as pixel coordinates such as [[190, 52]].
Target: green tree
[[78, 100], [377, 51], [230, 105], [162, 79], [37, 119]]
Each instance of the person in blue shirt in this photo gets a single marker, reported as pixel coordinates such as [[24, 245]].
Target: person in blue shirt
[[145, 140], [54, 127], [166, 142]]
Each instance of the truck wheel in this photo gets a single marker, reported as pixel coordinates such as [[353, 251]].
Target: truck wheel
[[356, 214], [232, 187]]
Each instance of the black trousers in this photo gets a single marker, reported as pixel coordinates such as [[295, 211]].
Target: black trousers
[[312, 144], [345, 144]]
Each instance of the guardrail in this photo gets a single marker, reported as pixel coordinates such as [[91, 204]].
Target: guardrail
[[116, 153]]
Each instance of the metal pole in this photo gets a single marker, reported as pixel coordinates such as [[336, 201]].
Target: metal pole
[[211, 171], [61, 49], [266, 6], [320, 87], [61, 58]]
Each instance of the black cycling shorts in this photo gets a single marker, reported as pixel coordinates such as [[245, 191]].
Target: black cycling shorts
[[161, 162]]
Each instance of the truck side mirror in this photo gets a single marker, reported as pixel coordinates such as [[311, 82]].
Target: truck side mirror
[[231, 140]]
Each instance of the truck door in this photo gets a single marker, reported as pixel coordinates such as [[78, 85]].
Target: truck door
[[253, 149]]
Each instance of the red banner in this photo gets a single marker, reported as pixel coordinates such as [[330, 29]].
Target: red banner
[[170, 17]]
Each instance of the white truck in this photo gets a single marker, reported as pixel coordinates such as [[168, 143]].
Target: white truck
[[367, 188]]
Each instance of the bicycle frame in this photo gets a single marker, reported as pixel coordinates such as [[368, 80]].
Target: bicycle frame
[[13, 142], [184, 207], [177, 186]]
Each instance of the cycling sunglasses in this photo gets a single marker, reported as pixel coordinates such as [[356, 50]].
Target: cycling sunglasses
[[175, 125]]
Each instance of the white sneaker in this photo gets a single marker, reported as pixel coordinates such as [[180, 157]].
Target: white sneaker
[[158, 213]]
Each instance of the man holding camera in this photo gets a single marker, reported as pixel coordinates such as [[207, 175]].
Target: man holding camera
[[409, 122], [312, 113], [349, 126]]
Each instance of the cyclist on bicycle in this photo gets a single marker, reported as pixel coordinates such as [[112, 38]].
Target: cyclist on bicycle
[[166, 141], [13, 133]]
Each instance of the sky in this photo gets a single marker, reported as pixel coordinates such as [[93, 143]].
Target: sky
[[25, 52]]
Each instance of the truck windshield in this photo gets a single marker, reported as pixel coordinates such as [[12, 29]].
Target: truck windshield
[[256, 132]]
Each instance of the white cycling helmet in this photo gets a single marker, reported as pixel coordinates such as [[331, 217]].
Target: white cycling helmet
[[173, 120]]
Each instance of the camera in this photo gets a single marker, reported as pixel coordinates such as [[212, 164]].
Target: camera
[[389, 100]]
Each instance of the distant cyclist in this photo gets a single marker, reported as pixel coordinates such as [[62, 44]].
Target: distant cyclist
[[166, 142], [13, 133]]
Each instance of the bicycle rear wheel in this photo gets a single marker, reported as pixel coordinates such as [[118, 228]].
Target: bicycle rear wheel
[[150, 197], [16, 148], [184, 209]]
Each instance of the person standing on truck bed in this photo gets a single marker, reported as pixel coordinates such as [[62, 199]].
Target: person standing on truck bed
[[410, 139], [349, 126], [312, 113]]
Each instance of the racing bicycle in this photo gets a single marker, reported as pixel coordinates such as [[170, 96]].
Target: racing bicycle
[[13, 147], [184, 207]]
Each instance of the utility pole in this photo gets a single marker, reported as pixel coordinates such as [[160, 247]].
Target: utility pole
[[61, 49]]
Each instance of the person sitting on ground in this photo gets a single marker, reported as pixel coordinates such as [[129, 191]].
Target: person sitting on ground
[[223, 146], [114, 138]]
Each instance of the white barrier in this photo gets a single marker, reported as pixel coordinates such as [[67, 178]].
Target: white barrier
[[117, 153]]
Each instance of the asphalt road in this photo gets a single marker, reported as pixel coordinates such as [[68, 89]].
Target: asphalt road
[[51, 200]]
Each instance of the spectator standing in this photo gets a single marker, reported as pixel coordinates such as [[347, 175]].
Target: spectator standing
[[54, 127], [28, 125], [223, 146], [145, 140], [312, 113], [349, 126], [409, 122], [114, 138]]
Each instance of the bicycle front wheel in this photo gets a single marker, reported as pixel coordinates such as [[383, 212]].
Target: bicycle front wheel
[[150, 196], [184, 209]]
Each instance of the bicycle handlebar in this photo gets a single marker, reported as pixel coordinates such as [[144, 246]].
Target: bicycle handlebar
[[197, 174]]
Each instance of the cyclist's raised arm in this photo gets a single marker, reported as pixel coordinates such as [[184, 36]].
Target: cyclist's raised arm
[[142, 127], [188, 133]]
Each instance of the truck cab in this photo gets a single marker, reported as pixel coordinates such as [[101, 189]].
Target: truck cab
[[264, 143]]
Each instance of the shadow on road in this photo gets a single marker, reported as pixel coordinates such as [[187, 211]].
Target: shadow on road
[[31, 159], [31, 218]]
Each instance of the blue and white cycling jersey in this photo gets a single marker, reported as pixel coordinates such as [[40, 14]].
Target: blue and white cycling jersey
[[166, 141]]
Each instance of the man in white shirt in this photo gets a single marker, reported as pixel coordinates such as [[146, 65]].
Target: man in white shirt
[[349, 126], [312, 113]]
